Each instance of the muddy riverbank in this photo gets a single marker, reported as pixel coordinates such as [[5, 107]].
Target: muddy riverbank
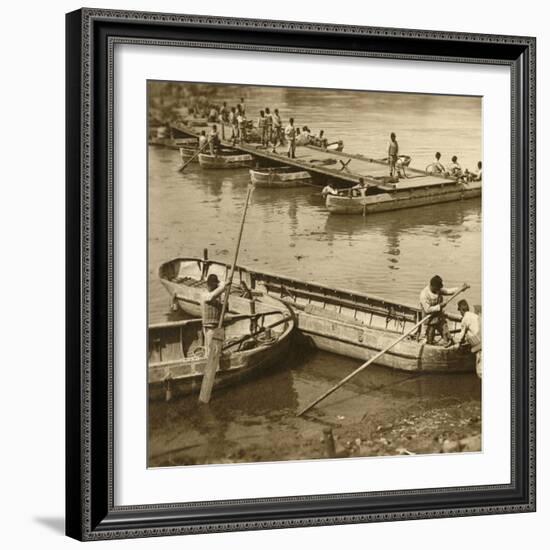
[[380, 413]]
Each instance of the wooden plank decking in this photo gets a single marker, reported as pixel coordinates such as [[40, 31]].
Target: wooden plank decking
[[344, 167]]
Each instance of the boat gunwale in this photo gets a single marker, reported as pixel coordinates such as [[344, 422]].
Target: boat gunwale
[[337, 290], [282, 339]]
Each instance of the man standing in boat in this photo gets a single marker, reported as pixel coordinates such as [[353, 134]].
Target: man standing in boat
[[214, 140], [290, 134], [431, 303], [393, 153], [211, 306]]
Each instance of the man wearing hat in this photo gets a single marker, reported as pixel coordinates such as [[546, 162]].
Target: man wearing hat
[[211, 307], [431, 302]]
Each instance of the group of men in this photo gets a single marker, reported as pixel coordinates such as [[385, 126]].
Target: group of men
[[269, 126], [454, 169], [433, 304]]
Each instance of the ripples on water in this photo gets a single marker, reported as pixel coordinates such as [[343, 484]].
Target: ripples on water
[[391, 254]]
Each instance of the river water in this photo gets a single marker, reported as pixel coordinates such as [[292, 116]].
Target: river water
[[391, 254]]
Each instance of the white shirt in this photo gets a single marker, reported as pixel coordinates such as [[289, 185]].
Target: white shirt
[[470, 328], [290, 131]]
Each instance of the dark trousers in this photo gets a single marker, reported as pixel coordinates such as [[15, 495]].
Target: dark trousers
[[442, 328]]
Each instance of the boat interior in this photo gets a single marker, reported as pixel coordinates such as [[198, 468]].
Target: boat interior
[[178, 341], [353, 308]]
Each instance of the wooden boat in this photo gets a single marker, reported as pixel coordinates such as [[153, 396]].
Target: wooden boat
[[171, 143], [188, 152], [226, 160], [253, 343], [337, 320], [337, 146], [416, 188], [286, 176], [403, 194]]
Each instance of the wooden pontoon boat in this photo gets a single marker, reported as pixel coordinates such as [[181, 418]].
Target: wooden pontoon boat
[[340, 321], [282, 177], [253, 342], [405, 194], [337, 146], [189, 152], [172, 143], [226, 160]]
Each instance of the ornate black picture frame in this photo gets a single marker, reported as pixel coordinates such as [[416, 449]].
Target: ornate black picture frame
[[90, 510]]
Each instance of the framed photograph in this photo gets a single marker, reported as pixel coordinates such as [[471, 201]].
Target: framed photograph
[[300, 274]]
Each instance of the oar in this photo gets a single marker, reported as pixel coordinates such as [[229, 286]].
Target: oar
[[193, 157], [214, 353], [377, 356]]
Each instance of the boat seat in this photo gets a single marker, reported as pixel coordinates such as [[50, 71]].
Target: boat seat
[[188, 281], [331, 314]]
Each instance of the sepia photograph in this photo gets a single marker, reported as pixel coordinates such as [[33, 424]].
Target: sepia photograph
[[314, 274]]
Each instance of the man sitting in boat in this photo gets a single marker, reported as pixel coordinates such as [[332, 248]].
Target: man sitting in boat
[[304, 137], [214, 140], [329, 190], [431, 303], [211, 307], [437, 166], [320, 141], [475, 175], [358, 188], [455, 169], [470, 332]]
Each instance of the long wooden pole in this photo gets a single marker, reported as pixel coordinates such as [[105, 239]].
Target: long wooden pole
[[215, 349], [374, 358], [201, 149]]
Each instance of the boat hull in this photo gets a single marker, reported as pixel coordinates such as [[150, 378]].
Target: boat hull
[[283, 179], [349, 339], [225, 161], [341, 322], [183, 377], [398, 199]]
